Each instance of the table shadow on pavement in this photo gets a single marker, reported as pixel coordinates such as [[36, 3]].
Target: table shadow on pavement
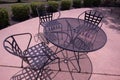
[[69, 66]]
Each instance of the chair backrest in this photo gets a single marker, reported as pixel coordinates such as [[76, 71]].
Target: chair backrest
[[46, 13], [10, 44], [92, 16], [80, 44], [53, 26], [89, 36]]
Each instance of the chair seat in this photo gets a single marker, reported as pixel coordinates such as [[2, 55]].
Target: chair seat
[[38, 55]]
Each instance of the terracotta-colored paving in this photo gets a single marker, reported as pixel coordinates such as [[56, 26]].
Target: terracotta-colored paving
[[103, 64]]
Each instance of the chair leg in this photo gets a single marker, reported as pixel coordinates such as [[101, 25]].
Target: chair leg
[[22, 64], [77, 59], [56, 49], [59, 64]]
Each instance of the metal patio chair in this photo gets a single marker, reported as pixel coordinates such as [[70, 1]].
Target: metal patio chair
[[92, 16], [37, 56], [46, 14], [92, 21]]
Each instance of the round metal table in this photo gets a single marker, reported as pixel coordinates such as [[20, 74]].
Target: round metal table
[[70, 30], [65, 33]]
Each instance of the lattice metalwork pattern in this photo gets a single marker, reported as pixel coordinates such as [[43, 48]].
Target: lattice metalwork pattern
[[94, 17], [39, 55]]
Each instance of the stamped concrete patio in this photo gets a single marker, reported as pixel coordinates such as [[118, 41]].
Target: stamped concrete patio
[[105, 61]]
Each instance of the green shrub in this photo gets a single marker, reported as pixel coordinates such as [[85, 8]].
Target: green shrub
[[117, 3], [66, 4], [34, 5], [107, 3], [96, 3], [54, 0], [20, 11], [76, 3], [54, 5], [41, 9], [88, 3], [4, 19]]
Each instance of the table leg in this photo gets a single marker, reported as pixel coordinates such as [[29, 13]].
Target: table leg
[[77, 56], [66, 61]]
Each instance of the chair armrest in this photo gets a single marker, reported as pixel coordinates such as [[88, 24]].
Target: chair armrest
[[80, 14], [59, 14], [12, 42], [30, 35]]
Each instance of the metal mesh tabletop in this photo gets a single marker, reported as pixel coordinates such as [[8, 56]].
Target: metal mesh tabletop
[[76, 35]]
